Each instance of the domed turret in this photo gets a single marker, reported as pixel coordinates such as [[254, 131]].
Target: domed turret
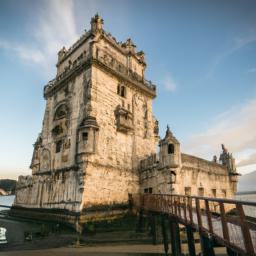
[[169, 150]]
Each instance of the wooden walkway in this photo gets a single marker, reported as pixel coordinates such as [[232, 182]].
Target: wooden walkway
[[222, 220]]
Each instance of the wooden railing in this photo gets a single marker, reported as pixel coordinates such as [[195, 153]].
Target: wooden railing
[[228, 221]]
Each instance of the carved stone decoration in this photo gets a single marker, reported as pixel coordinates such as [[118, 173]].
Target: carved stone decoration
[[156, 127], [88, 136], [227, 159], [45, 161], [96, 24], [124, 119]]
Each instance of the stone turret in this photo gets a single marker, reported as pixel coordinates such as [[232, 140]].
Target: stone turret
[[169, 151], [96, 24], [227, 159]]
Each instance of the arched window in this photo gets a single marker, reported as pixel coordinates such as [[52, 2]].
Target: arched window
[[61, 112], [170, 149]]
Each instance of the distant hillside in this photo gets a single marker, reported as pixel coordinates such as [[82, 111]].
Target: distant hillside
[[247, 182], [8, 186]]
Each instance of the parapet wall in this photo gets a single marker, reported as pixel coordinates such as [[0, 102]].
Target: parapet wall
[[194, 162], [203, 178]]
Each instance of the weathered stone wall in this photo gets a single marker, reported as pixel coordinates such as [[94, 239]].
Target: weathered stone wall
[[50, 191], [212, 179], [195, 176], [111, 173], [93, 133]]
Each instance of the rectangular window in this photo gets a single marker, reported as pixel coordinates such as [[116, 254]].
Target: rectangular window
[[148, 190], [214, 192], [187, 191], [85, 136], [200, 191], [58, 146], [224, 193], [145, 190], [170, 149]]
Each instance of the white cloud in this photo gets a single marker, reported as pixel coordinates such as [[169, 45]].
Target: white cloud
[[169, 84], [251, 159], [235, 128], [251, 70], [24, 53], [237, 44], [54, 28]]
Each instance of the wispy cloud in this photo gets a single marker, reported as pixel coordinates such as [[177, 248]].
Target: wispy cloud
[[251, 70], [237, 44], [251, 159], [169, 84], [23, 52], [236, 128], [54, 28]]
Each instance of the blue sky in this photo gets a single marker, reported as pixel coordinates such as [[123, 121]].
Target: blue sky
[[200, 54]]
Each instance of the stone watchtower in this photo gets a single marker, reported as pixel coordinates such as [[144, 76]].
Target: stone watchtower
[[98, 124], [169, 155]]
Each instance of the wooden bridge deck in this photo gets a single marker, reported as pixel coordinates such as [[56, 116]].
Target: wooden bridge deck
[[221, 219]]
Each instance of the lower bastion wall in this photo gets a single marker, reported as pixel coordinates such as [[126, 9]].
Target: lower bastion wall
[[50, 191], [106, 185]]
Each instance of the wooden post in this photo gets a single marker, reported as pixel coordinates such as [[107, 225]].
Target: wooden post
[[140, 224], [175, 237], [165, 236], [198, 213], [245, 230], [191, 241], [224, 222], [209, 216], [206, 245], [153, 224]]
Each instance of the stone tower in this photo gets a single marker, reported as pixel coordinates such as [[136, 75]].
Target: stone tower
[[170, 155], [98, 124]]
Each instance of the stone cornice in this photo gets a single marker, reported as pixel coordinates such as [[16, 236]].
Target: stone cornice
[[54, 171], [65, 77], [145, 87], [85, 63]]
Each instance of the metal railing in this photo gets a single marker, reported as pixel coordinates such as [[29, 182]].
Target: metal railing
[[225, 220]]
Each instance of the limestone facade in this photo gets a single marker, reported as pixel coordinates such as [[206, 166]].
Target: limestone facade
[[98, 119], [173, 172], [99, 136]]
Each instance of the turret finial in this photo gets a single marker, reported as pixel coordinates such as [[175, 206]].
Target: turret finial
[[96, 23]]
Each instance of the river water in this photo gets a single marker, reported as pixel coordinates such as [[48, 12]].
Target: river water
[[6, 200]]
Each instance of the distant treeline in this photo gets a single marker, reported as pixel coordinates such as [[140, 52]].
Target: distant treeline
[[8, 185]]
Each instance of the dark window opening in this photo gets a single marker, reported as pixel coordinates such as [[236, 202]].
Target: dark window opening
[[85, 136], [118, 89], [224, 193], [58, 146], [170, 149], [122, 91], [148, 190]]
